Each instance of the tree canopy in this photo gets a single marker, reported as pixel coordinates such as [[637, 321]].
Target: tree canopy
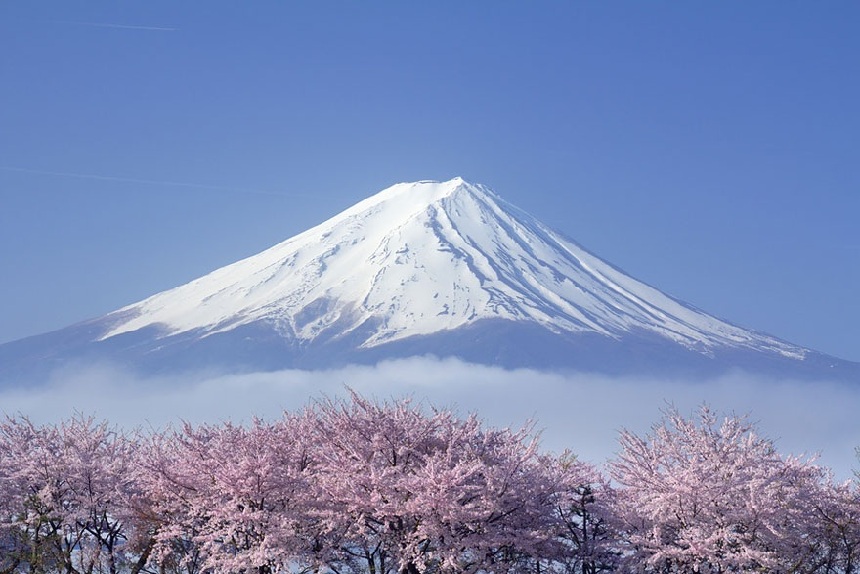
[[354, 486]]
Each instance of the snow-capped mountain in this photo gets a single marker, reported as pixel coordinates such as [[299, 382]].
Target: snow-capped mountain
[[422, 258], [443, 268]]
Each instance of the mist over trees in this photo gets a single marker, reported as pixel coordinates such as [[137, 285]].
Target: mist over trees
[[359, 486]]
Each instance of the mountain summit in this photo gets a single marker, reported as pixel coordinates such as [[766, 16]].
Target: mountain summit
[[442, 268]]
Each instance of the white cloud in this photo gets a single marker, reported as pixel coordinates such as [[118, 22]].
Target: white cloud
[[579, 411]]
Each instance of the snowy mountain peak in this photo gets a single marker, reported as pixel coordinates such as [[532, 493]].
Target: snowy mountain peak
[[405, 199], [419, 259]]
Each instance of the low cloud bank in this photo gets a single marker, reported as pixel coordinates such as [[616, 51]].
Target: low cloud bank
[[580, 411]]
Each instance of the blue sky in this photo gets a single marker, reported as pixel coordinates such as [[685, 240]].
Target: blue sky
[[709, 149]]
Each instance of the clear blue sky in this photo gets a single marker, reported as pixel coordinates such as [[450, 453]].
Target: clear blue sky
[[709, 149]]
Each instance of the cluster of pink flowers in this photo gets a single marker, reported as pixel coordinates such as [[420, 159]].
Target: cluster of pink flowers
[[350, 486]]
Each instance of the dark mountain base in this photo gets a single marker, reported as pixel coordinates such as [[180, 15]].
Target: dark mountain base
[[259, 347]]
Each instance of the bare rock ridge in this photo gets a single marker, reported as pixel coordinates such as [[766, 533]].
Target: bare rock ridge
[[440, 268]]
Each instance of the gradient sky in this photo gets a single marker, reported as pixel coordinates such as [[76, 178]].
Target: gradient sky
[[709, 149]]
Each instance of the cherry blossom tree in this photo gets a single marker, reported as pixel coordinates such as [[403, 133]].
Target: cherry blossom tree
[[229, 498], [584, 517], [372, 459], [169, 506], [828, 536], [22, 535], [410, 492], [64, 491], [709, 496]]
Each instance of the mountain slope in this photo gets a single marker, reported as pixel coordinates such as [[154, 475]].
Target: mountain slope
[[445, 268]]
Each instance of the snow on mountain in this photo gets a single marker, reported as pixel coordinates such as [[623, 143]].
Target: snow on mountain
[[425, 258]]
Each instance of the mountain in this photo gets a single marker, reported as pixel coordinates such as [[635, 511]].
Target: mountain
[[441, 268]]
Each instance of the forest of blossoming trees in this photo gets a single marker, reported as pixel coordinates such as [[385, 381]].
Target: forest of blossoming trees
[[358, 486]]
